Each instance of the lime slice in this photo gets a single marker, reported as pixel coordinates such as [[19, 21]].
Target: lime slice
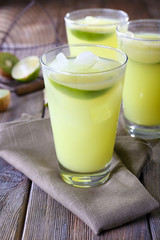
[[85, 72], [26, 70], [90, 36], [5, 97], [93, 29], [78, 93]]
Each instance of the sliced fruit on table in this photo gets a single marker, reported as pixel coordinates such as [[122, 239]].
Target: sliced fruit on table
[[26, 70], [7, 61], [5, 98]]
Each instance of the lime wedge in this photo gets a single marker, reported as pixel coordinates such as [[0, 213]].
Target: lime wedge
[[5, 97], [90, 36], [26, 70], [93, 28]]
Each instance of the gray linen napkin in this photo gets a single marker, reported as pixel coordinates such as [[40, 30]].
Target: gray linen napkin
[[27, 144]]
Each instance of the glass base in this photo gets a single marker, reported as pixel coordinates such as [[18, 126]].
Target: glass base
[[85, 180], [140, 131]]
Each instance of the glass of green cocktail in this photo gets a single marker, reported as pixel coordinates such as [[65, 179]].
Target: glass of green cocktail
[[84, 96], [140, 40], [94, 26]]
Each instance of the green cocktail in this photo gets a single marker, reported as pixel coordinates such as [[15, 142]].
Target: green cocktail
[[94, 26], [84, 96], [140, 40]]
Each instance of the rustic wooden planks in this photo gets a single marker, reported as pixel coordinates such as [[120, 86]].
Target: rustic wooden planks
[[40, 215], [152, 183], [14, 189], [47, 219], [14, 186]]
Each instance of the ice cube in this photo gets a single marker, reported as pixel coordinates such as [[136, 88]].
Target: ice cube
[[61, 61], [86, 59]]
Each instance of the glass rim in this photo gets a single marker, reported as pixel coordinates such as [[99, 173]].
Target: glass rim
[[145, 21], [83, 74], [126, 17]]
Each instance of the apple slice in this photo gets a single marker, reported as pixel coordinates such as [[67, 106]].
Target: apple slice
[[5, 98]]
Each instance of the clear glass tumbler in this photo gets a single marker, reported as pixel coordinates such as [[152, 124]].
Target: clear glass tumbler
[[94, 26], [84, 109], [140, 40]]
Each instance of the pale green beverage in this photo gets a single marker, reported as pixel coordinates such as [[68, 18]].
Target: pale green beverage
[[84, 96], [140, 40], [94, 26]]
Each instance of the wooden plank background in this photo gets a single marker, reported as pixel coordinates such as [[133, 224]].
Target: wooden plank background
[[27, 212]]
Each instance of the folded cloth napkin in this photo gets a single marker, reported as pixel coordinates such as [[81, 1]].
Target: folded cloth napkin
[[27, 144]]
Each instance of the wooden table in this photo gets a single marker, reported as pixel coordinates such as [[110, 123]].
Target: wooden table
[[27, 212]]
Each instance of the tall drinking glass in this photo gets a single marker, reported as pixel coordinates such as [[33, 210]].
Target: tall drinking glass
[[94, 26], [140, 40], [84, 107]]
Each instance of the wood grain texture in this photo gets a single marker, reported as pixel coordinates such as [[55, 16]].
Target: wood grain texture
[[41, 217], [14, 186], [14, 189], [47, 219], [151, 178]]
